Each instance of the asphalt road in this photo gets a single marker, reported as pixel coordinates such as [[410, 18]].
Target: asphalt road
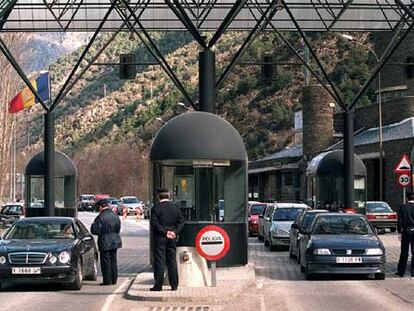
[[132, 259], [279, 285]]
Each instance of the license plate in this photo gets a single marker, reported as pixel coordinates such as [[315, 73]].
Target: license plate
[[348, 259], [24, 270], [382, 217]]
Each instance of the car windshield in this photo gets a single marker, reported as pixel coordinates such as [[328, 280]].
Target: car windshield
[[130, 200], [378, 207], [87, 197], [307, 220], [286, 214], [341, 225], [27, 230], [256, 209], [12, 210]]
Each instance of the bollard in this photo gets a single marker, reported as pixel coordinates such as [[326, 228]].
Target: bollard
[[124, 213]]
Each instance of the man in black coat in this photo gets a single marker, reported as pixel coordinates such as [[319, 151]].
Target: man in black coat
[[405, 227], [166, 222], [107, 227]]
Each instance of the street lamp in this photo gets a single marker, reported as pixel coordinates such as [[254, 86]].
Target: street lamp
[[381, 165]]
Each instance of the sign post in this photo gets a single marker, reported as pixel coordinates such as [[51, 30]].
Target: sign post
[[212, 243], [403, 169]]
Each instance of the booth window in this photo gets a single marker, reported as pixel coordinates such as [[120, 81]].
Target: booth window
[[206, 193]]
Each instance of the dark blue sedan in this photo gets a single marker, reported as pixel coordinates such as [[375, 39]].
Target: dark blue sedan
[[341, 244], [48, 250]]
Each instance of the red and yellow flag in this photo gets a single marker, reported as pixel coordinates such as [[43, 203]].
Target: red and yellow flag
[[26, 98]]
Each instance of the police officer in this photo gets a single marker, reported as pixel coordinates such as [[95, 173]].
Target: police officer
[[166, 222], [405, 227], [107, 227]]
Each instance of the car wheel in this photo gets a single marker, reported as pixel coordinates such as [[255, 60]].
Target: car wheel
[[291, 256], [77, 283], [272, 247], [266, 242], [379, 276], [94, 273], [393, 229]]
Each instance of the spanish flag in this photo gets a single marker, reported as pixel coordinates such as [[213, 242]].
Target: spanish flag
[[26, 98]]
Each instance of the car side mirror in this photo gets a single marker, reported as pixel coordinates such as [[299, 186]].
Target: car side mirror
[[86, 238], [295, 226], [260, 216]]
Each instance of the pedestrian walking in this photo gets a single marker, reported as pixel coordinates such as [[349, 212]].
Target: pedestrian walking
[[405, 227], [166, 223], [107, 227]]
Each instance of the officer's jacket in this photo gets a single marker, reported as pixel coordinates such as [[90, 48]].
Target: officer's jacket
[[405, 217], [166, 216], [107, 227]]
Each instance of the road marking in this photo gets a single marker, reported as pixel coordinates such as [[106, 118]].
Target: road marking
[[110, 299]]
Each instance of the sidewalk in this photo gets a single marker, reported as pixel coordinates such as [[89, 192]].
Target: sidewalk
[[231, 282]]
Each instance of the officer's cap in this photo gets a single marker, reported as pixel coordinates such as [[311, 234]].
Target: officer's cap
[[102, 202], [162, 191]]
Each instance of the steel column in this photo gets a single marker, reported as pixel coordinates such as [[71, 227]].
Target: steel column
[[207, 80], [49, 145], [348, 121]]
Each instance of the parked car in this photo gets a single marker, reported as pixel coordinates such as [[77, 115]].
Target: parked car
[[132, 204], [85, 202], [48, 250], [341, 243], [11, 212], [253, 217], [278, 221], [302, 223], [381, 216], [260, 226]]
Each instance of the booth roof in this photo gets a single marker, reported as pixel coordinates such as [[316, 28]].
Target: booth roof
[[198, 136], [332, 163], [63, 165]]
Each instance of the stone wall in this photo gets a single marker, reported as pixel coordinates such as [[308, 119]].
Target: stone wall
[[392, 153], [367, 117], [317, 120]]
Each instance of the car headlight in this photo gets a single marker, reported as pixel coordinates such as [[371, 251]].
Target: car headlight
[[64, 257], [375, 251], [52, 259], [321, 251], [2, 260]]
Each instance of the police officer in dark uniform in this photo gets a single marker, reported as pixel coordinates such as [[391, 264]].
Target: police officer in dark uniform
[[166, 222], [107, 227], [405, 227]]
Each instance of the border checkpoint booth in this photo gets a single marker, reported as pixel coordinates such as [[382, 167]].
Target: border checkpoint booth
[[202, 160], [325, 182], [64, 185]]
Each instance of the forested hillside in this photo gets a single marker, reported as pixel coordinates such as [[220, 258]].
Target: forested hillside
[[104, 120]]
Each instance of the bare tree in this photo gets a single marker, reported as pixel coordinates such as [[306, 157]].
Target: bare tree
[[9, 87]]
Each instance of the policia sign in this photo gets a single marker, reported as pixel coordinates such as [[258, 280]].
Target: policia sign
[[212, 243]]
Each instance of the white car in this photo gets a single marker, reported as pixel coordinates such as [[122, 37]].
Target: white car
[[132, 203], [278, 221]]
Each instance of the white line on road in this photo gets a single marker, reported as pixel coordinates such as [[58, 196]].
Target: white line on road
[[112, 296]]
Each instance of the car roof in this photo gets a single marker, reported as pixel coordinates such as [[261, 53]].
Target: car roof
[[15, 203], [129, 196], [340, 215], [377, 202], [46, 219], [313, 211], [291, 205]]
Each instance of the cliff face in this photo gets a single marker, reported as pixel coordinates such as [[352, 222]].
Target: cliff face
[[102, 111]]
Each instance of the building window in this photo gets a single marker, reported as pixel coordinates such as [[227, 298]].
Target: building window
[[297, 180], [409, 69], [288, 179]]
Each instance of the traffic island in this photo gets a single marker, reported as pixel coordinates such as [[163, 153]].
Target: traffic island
[[231, 282]]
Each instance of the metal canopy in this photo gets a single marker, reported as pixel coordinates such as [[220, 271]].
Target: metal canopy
[[205, 15]]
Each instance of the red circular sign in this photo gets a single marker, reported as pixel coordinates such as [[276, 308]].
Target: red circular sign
[[212, 242], [404, 180]]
